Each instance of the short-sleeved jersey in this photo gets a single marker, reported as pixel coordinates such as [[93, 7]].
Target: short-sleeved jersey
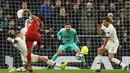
[[68, 37], [33, 27], [110, 31]]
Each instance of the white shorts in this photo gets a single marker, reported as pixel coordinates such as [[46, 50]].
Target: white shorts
[[112, 47], [34, 59]]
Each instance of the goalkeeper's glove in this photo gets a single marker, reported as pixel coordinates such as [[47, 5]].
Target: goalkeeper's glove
[[49, 30], [61, 42]]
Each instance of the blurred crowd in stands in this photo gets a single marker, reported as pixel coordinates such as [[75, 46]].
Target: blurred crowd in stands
[[85, 16]]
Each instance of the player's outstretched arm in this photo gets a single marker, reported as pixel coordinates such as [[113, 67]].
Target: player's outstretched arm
[[76, 37], [45, 31], [12, 40], [59, 34]]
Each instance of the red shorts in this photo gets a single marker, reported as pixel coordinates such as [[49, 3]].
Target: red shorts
[[31, 37]]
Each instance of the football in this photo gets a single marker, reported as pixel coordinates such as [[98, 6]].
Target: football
[[79, 56]]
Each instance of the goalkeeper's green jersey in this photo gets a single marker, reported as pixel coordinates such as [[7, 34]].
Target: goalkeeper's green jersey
[[68, 37]]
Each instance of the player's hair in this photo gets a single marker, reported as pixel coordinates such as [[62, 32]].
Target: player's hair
[[42, 19], [107, 19], [67, 24]]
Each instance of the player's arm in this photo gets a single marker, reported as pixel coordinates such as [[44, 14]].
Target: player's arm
[[12, 32], [100, 29], [59, 34], [12, 40], [105, 42], [45, 31], [76, 37]]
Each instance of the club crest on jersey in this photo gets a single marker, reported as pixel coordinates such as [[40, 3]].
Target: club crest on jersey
[[108, 32]]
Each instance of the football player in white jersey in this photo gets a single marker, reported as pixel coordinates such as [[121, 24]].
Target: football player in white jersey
[[20, 44], [111, 44]]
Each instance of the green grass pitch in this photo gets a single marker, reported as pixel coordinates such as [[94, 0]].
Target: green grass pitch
[[68, 71]]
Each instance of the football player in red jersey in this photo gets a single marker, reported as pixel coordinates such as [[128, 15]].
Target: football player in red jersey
[[34, 34]]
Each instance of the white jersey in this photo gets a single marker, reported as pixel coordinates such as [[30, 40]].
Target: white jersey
[[110, 31], [21, 46]]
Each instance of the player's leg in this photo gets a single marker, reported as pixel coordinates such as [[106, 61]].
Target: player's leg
[[37, 37], [99, 59], [51, 63], [74, 47], [20, 69], [29, 52], [112, 50], [59, 52]]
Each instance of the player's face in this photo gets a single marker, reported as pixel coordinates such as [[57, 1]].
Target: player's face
[[67, 27], [106, 23]]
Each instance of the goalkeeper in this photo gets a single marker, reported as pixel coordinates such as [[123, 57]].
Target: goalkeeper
[[68, 39]]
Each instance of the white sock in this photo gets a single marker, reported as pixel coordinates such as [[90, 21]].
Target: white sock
[[116, 61], [21, 69], [52, 63], [99, 60]]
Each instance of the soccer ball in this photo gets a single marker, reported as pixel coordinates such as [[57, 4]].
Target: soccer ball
[[79, 56]]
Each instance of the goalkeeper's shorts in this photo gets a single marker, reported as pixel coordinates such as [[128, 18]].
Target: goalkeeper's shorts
[[70, 46]]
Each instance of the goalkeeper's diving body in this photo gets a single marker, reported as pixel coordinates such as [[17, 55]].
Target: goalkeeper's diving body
[[68, 40], [20, 44]]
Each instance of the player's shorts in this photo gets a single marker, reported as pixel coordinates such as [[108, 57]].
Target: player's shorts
[[112, 47], [31, 37], [34, 59], [71, 46]]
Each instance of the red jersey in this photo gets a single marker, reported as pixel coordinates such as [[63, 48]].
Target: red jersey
[[33, 27]]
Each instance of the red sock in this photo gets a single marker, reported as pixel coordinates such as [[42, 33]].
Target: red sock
[[29, 57]]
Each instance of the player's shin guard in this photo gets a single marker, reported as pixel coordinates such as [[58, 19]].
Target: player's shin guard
[[99, 59], [116, 61], [54, 57]]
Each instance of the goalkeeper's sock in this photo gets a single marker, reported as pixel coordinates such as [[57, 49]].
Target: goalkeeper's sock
[[52, 63], [83, 60], [99, 59], [116, 61], [54, 57], [21, 69]]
